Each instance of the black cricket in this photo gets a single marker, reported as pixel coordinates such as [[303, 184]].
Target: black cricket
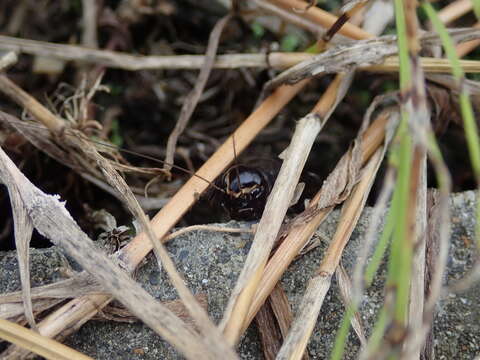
[[246, 189]]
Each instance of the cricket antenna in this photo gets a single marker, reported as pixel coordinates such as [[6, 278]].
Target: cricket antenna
[[154, 159], [235, 161], [120, 149]]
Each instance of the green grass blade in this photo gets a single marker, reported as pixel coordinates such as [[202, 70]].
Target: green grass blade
[[470, 125]]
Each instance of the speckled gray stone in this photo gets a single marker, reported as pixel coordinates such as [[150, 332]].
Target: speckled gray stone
[[211, 262]]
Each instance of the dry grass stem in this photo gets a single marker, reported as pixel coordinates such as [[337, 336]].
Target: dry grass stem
[[345, 286], [77, 311], [275, 60], [431, 65], [343, 58], [439, 229], [294, 346], [36, 343], [454, 10], [322, 18], [89, 20], [23, 229], [415, 228], [299, 235], [371, 235], [278, 202], [79, 284], [468, 46], [273, 320], [52, 220], [28, 102], [76, 285], [65, 320], [212, 336], [7, 59], [270, 336], [302, 327], [290, 17], [129, 62], [281, 308]]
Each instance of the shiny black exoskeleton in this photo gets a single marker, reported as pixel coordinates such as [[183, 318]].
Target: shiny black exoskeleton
[[246, 189]]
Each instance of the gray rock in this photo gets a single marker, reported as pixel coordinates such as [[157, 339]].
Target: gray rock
[[211, 262]]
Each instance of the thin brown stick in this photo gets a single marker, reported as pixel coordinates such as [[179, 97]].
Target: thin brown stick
[[348, 11], [23, 99], [130, 62], [89, 20], [194, 96]]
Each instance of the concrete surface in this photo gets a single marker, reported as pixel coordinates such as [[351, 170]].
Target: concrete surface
[[211, 262]]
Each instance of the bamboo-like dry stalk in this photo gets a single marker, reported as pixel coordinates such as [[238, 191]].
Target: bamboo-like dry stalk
[[39, 344], [454, 10]]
